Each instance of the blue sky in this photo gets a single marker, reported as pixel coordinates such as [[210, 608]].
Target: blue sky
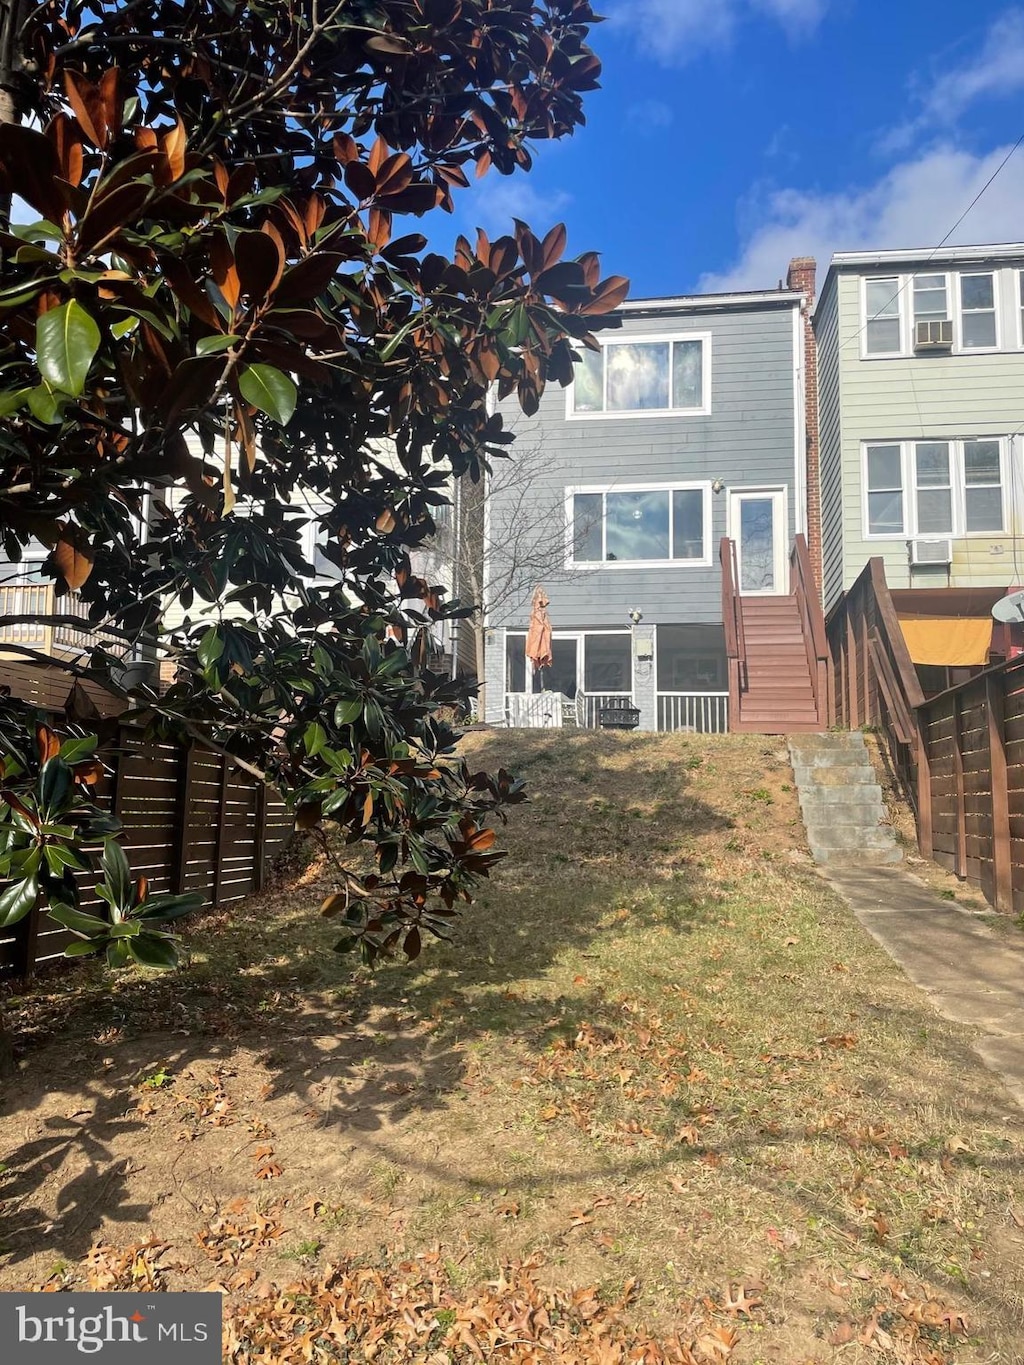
[[730, 135]]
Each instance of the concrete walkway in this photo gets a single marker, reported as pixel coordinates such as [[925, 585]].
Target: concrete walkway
[[974, 974]]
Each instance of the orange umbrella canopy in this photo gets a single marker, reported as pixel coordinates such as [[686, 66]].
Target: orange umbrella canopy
[[538, 637]]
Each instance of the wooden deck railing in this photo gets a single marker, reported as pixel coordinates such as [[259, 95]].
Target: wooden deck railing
[[732, 619], [812, 625]]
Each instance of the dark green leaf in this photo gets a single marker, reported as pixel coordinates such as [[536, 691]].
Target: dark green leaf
[[66, 340], [18, 900], [117, 874], [269, 390], [153, 951]]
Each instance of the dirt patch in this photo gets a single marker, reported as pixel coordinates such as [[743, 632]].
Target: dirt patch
[[661, 1069]]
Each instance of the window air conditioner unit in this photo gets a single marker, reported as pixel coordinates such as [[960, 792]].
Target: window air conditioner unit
[[933, 336], [931, 552]]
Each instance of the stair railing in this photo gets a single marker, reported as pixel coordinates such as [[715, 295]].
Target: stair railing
[[876, 681], [732, 619], [812, 626]]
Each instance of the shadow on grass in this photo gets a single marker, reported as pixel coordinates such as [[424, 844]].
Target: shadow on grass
[[365, 1052]]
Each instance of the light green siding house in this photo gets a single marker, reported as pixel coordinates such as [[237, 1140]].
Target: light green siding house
[[921, 409]]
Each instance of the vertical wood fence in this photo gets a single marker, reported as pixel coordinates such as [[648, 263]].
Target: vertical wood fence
[[959, 756], [192, 821]]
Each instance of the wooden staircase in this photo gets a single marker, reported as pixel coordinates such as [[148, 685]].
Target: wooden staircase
[[778, 698], [778, 655]]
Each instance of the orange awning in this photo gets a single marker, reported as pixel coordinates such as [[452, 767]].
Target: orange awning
[[948, 641]]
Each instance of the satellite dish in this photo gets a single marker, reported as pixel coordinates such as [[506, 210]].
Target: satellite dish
[[1010, 609]]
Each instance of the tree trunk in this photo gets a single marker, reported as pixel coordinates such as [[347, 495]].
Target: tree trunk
[[8, 1066], [479, 640], [481, 667]]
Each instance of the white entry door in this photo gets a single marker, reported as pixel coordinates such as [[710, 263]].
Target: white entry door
[[757, 525]]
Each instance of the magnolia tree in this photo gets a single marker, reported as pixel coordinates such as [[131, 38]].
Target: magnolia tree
[[211, 287]]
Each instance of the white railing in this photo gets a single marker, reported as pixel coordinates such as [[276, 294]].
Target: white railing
[[534, 711], [705, 712], [39, 600], [72, 605], [25, 599]]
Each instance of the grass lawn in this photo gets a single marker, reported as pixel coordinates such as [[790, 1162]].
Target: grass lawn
[[663, 1099]]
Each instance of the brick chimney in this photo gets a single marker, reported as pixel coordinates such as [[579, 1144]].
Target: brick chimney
[[801, 278]]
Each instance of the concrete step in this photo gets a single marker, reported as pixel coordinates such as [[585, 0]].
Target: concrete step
[[839, 775], [841, 800], [851, 835], [840, 796], [838, 741], [841, 857]]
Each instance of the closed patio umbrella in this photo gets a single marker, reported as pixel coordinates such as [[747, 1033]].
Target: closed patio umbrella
[[538, 637]]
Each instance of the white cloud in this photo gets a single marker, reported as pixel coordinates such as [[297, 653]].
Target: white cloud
[[942, 96], [674, 31], [495, 200], [912, 205], [997, 70], [647, 116]]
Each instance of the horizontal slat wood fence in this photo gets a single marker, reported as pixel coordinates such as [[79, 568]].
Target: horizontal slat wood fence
[[959, 756], [193, 821]]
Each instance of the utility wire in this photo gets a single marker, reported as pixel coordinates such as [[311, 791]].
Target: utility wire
[[936, 249]]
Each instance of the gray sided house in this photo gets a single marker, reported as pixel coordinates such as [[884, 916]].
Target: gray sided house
[[687, 427], [921, 408]]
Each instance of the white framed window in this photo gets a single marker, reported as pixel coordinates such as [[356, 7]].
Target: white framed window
[[883, 316], [884, 485], [931, 298], [969, 299], [667, 524], [1020, 304], [978, 321], [644, 376], [934, 488]]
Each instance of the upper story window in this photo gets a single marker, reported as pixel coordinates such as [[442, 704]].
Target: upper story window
[[931, 298], [977, 312], [934, 488], [883, 328], [643, 375], [647, 525], [968, 301]]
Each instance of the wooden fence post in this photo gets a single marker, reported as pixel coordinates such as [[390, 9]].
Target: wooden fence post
[[925, 837], [1002, 868], [222, 830], [183, 801], [260, 867], [960, 865]]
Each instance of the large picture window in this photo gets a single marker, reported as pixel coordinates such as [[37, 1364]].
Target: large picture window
[[662, 524], [642, 376], [934, 488]]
